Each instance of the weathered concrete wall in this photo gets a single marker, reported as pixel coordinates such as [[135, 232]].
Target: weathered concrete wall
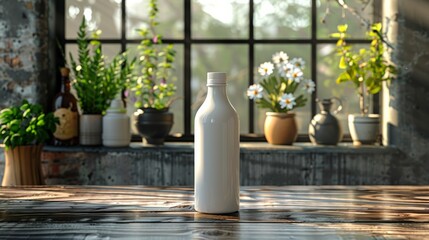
[[406, 101], [25, 71], [261, 164]]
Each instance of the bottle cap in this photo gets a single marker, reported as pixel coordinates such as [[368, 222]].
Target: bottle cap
[[65, 71], [216, 78]]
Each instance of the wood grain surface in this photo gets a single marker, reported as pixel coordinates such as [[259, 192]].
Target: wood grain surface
[[135, 212]]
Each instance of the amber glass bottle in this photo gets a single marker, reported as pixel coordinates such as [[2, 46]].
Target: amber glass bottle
[[65, 108]]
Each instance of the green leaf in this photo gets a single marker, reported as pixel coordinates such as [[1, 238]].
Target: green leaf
[[335, 35], [6, 112], [26, 113], [376, 27], [24, 107], [342, 28], [40, 123], [375, 89], [343, 64], [344, 77]]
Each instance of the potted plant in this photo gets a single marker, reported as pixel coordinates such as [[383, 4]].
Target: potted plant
[[281, 89], [366, 69], [153, 87], [24, 129], [96, 83]]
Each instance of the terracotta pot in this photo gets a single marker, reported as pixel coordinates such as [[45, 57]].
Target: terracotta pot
[[154, 125], [364, 129], [280, 128], [90, 129], [22, 166]]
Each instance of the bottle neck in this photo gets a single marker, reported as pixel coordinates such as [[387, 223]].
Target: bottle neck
[[216, 91], [65, 86], [326, 107]]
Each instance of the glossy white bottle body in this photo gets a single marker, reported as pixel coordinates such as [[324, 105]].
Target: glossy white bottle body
[[217, 151]]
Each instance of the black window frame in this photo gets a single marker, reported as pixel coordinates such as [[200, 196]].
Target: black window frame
[[188, 41]]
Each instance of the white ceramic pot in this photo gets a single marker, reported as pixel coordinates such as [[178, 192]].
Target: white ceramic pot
[[364, 129], [90, 128], [116, 125]]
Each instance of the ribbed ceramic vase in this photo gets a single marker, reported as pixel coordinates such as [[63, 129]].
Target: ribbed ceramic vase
[[280, 128], [23, 166], [90, 129]]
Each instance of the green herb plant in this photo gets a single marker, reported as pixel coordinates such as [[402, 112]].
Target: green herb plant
[[97, 83], [151, 87], [367, 69], [26, 125]]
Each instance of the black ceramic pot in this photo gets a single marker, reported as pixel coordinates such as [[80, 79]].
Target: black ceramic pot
[[154, 124]]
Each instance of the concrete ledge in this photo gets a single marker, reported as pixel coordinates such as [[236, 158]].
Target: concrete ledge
[[244, 147], [261, 164]]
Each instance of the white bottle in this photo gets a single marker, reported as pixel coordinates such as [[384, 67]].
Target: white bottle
[[217, 151], [116, 125]]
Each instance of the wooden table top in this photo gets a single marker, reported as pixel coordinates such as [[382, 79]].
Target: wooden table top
[[291, 212]]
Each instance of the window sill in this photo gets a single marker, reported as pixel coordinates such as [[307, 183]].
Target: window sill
[[246, 147]]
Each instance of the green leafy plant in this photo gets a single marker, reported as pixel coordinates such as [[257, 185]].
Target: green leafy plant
[[367, 69], [283, 87], [97, 83], [25, 125], [151, 87]]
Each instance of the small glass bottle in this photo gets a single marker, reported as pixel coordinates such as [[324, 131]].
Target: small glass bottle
[[217, 151], [65, 108]]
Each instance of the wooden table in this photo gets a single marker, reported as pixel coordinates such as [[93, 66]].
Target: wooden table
[[135, 212]]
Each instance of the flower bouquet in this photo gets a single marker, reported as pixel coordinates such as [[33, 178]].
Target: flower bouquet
[[281, 89]]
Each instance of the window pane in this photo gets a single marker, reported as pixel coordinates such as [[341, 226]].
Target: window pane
[[100, 14], [220, 19], [170, 18], [231, 59], [178, 106], [337, 15], [282, 19], [327, 73], [264, 53]]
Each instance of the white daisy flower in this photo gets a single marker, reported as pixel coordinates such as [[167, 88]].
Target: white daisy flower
[[255, 91], [280, 58], [266, 68], [287, 101], [296, 74], [298, 62], [309, 86], [284, 69]]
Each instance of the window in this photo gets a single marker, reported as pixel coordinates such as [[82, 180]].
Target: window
[[234, 36]]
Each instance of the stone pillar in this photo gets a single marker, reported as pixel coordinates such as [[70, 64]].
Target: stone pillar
[[25, 69], [406, 100]]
